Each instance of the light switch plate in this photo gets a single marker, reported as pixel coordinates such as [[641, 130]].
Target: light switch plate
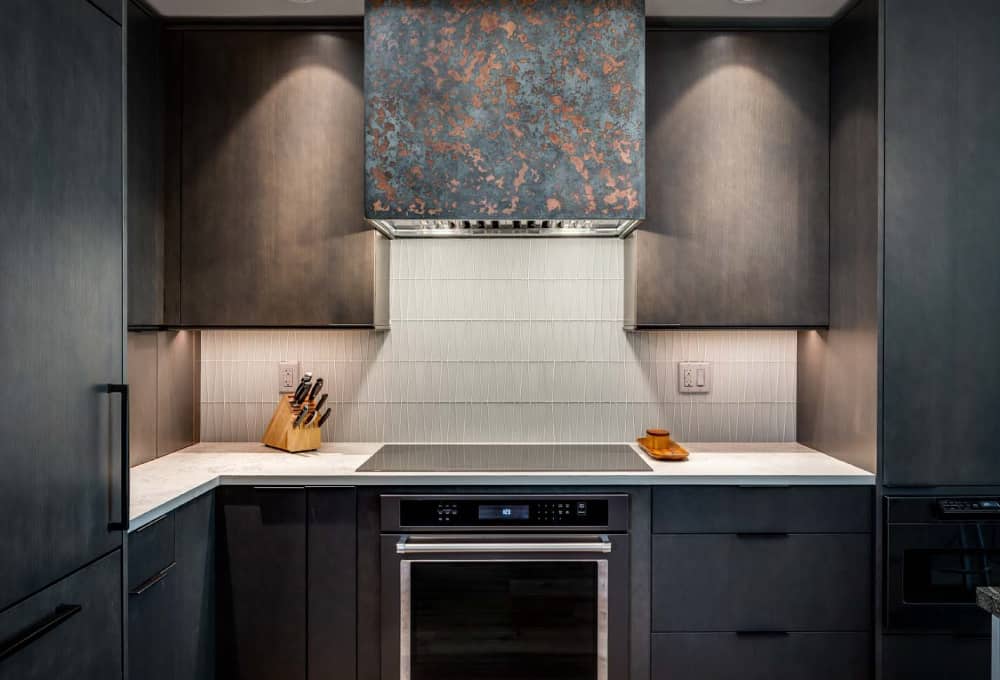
[[288, 376], [694, 377]]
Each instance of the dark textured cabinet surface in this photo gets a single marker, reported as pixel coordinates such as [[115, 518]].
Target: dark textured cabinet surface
[[933, 657], [729, 656], [172, 595], [735, 509], [762, 582], [145, 170], [85, 646], [272, 229], [261, 567], [61, 280], [941, 368], [332, 533], [737, 182]]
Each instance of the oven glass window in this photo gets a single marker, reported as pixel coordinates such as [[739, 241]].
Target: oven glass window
[[503, 620], [948, 576]]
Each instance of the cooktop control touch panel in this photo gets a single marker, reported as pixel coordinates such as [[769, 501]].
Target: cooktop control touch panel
[[969, 507], [499, 512]]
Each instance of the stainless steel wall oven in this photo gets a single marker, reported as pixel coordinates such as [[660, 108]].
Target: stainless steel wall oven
[[487, 587]]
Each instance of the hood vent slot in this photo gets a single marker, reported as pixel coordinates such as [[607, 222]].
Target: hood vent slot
[[541, 227], [505, 117]]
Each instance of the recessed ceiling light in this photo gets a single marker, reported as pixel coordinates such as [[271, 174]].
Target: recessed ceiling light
[[306, 2], [747, 2]]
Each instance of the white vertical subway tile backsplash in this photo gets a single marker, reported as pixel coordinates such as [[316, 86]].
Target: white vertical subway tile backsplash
[[506, 340]]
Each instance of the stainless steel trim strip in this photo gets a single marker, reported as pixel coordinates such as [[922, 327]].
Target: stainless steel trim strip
[[602, 545]]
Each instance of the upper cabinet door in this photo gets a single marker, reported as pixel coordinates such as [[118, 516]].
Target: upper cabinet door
[[272, 226], [941, 295], [737, 172], [61, 320]]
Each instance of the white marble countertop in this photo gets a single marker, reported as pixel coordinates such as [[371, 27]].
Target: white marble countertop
[[162, 485]]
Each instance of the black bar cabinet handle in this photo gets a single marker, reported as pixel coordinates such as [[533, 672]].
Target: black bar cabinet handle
[[121, 523], [152, 581], [62, 613]]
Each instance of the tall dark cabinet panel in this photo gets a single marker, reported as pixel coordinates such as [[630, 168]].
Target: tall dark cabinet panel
[[941, 368], [146, 146], [272, 229], [61, 316], [332, 583], [261, 583], [737, 177], [195, 635]]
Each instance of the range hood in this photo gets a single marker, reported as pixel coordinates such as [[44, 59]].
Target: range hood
[[504, 117]]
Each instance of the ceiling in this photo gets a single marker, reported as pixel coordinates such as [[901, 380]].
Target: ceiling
[[728, 9]]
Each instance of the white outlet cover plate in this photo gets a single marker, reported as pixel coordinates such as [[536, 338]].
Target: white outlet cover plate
[[288, 376], [694, 377]]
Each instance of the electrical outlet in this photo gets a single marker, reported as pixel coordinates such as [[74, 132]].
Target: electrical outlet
[[694, 377], [288, 376]]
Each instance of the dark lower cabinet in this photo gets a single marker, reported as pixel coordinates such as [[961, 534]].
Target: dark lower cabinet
[[803, 582], [72, 630], [332, 534], [734, 656], [287, 587], [933, 657], [171, 595], [261, 583]]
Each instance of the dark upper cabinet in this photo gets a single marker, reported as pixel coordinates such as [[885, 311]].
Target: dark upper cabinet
[[737, 182], [941, 295], [272, 229], [145, 169], [261, 567], [61, 321]]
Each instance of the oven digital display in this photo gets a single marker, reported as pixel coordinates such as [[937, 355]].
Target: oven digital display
[[511, 512]]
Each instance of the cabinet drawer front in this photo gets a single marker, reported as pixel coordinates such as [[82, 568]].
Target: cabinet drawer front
[[931, 657], [150, 551], [152, 622], [69, 631], [796, 582], [734, 509], [730, 656]]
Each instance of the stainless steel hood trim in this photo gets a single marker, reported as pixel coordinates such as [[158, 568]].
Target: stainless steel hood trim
[[457, 228]]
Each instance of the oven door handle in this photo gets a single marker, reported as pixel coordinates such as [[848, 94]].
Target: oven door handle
[[602, 544]]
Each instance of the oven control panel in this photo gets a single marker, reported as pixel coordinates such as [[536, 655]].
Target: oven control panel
[[499, 512], [966, 507]]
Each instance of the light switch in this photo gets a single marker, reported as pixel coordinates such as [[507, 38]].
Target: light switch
[[694, 377]]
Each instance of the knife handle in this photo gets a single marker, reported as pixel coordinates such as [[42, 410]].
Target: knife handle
[[120, 523], [317, 386], [324, 418]]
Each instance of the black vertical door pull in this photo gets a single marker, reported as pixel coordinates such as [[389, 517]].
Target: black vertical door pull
[[120, 523]]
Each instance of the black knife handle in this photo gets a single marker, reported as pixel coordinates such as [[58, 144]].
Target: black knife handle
[[59, 616], [317, 386], [120, 523], [322, 402], [299, 418], [309, 418], [300, 393], [324, 418]]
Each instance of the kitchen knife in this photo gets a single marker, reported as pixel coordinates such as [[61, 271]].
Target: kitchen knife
[[309, 418], [300, 418], [321, 403], [300, 393], [317, 386], [323, 418]]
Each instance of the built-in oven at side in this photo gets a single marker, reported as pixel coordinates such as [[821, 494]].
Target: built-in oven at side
[[939, 550], [485, 587]]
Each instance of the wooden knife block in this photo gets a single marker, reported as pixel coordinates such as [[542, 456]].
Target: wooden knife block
[[281, 434]]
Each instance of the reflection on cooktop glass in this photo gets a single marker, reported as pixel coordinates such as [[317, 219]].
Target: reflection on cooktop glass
[[505, 458]]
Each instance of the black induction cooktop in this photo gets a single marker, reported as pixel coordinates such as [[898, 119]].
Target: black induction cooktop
[[505, 458]]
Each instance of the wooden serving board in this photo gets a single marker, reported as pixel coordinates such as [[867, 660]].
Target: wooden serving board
[[674, 452]]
